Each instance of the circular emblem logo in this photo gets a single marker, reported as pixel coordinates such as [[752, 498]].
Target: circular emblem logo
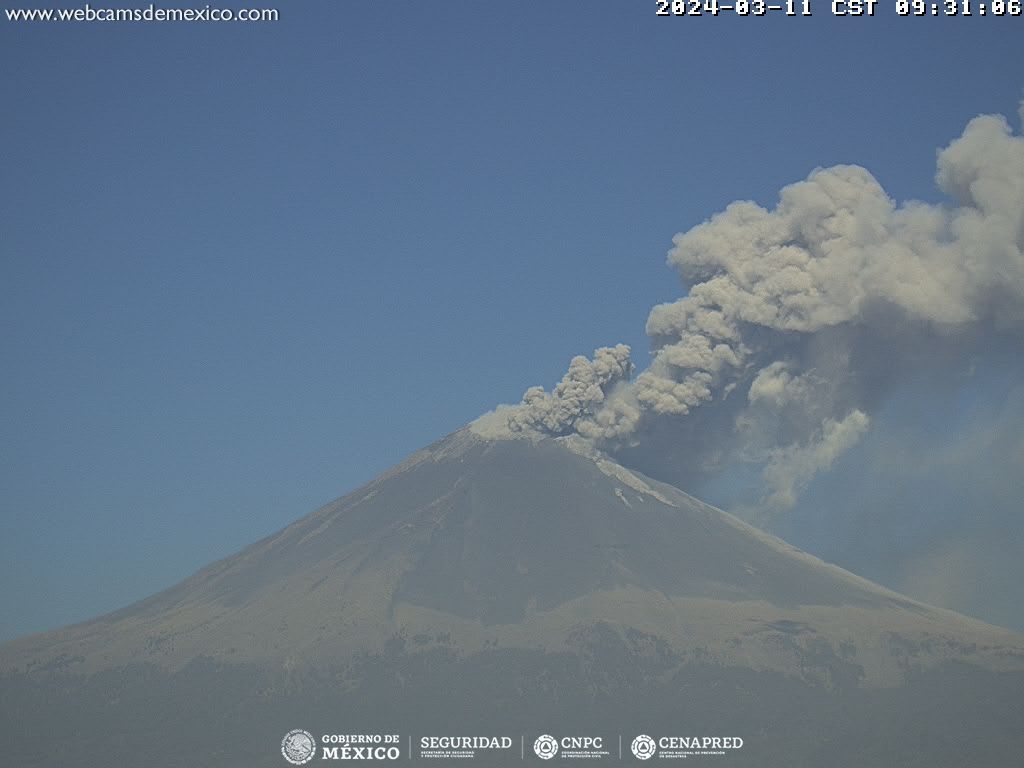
[[546, 747], [644, 747], [298, 746]]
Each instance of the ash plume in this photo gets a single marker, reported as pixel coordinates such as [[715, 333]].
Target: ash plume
[[799, 320]]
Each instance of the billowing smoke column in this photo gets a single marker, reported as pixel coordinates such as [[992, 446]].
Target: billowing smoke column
[[577, 398], [798, 319]]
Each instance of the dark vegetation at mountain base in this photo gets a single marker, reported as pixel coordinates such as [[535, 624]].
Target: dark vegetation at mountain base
[[218, 715]]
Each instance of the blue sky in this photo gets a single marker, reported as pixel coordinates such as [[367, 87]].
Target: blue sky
[[245, 268]]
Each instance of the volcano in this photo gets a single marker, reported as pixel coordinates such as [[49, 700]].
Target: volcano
[[518, 586]]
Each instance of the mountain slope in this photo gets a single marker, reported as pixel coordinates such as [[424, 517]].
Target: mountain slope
[[497, 581]]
